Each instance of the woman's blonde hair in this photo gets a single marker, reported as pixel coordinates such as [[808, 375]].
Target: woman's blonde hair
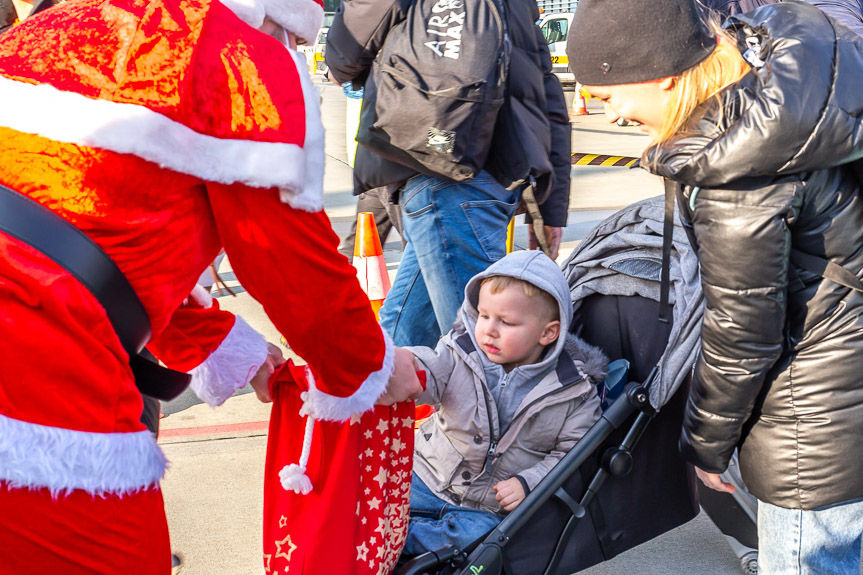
[[723, 67]]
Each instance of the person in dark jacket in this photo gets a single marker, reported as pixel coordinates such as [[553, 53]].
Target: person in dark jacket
[[846, 12], [454, 230], [763, 158]]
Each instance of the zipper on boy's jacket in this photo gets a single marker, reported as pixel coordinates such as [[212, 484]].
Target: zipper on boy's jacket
[[489, 461], [492, 448]]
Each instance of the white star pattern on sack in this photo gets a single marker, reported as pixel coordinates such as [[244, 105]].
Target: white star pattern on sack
[[362, 552]]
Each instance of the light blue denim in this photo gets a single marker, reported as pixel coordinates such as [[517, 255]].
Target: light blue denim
[[453, 230], [825, 541], [435, 523]]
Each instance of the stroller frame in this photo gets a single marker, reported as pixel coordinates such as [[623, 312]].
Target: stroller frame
[[488, 556], [626, 273]]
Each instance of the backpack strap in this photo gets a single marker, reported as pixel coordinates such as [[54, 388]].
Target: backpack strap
[[529, 198], [37, 226], [826, 269]]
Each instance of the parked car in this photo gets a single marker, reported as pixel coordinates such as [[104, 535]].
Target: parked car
[[554, 29], [310, 49], [320, 64]]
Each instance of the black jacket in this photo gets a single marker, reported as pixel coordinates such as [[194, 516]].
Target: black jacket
[[846, 12], [532, 135], [780, 373]]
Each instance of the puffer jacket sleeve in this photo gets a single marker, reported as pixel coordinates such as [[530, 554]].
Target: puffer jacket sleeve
[[555, 208], [357, 34], [798, 121], [438, 363], [847, 12], [744, 247], [579, 419]]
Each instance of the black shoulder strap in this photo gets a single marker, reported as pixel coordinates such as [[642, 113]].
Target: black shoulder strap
[[826, 269], [37, 226], [667, 237]]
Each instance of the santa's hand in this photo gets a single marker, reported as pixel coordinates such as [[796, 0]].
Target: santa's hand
[[404, 383], [261, 381]]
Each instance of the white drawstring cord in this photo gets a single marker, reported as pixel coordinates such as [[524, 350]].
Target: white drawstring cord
[[294, 476]]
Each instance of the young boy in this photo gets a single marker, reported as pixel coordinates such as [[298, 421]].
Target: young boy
[[515, 392]]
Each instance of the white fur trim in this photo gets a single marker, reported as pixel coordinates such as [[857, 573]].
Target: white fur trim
[[231, 366], [39, 456], [132, 129], [249, 11], [302, 17], [324, 406], [311, 198], [201, 296]]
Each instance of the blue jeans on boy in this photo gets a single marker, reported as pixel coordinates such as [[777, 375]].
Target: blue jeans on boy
[[825, 541], [454, 230], [435, 523]]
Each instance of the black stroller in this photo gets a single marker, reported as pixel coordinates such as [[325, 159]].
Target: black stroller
[[624, 482]]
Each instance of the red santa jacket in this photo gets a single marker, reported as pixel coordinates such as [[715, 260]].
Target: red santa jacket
[[163, 129]]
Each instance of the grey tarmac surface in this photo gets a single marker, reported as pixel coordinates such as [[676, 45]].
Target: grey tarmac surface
[[213, 489]]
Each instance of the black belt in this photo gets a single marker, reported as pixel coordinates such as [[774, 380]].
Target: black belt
[[37, 226]]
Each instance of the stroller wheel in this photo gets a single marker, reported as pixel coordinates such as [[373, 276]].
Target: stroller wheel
[[749, 563]]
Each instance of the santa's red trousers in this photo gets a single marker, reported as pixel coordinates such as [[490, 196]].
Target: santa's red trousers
[[82, 534]]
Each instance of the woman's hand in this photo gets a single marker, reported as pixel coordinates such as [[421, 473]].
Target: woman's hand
[[404, 383], [713, 481], [261, 381]]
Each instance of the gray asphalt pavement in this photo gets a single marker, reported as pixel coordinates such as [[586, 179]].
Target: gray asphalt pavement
[[213, 489]]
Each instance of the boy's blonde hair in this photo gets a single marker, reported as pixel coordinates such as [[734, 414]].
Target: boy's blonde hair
[[723, 67], [499, 283]]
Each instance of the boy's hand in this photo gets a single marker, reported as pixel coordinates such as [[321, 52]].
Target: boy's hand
[[509, 493]]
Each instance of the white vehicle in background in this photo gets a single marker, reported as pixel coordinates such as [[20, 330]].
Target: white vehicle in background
[[554, 29], [320, 53], [315, 51]]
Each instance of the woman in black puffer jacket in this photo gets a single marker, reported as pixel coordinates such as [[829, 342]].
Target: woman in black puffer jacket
[[759, 127]]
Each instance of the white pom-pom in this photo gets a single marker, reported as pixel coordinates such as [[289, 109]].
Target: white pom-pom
[[294, 479]]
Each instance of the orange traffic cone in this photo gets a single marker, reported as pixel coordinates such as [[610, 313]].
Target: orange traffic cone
[[369, 261], [579, 104]]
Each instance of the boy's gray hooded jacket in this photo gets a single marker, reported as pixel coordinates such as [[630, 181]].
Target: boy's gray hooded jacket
[[461, 451]]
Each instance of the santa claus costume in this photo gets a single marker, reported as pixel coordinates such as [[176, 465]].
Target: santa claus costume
[[163, 130]]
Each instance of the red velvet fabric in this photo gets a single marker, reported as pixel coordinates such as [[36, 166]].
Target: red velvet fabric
[[193, 334], [43, 536], [230, 82]]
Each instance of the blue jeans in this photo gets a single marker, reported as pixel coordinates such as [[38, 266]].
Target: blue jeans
[[825, 541], [435, 523], [453, 232]]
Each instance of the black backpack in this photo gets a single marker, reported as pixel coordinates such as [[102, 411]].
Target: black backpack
[[437, 86]]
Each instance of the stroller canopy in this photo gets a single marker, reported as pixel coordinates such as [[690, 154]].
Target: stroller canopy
[[622, 256]]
